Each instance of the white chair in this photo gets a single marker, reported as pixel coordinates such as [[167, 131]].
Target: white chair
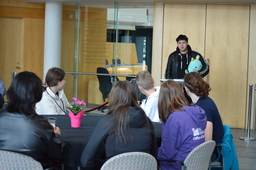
[[198, 158], [131, 161], [17, 161]]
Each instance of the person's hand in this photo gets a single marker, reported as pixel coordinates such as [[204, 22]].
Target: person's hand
[[57, 130], [196, 71]]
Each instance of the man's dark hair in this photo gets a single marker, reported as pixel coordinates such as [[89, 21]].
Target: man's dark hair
[[182, 37], [24, 92]]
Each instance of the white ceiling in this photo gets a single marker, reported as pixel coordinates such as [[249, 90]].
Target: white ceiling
[[106, 3], [138, 4]]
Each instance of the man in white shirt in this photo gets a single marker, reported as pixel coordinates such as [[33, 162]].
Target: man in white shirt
[[146, 86]]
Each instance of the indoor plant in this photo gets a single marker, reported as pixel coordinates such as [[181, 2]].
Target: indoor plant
[[76, 112]]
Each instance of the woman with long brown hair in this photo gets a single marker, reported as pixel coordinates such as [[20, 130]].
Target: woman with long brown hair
[[125, 128], [182, 125]]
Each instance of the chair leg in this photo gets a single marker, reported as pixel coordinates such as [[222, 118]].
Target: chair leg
[[210, 165], [102, 109]]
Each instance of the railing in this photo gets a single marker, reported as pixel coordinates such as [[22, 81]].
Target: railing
[[75, 74], [116, 75], [248, 136]]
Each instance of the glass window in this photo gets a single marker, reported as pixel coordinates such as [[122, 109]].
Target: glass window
[[114, 37]]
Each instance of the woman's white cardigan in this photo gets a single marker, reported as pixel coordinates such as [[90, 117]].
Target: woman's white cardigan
[[52, 104]]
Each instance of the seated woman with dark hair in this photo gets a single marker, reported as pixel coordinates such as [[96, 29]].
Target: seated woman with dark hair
[[125, 128], [22, 130], [182, 128]]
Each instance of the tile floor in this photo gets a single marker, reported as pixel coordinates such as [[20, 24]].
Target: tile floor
[[246, 150]]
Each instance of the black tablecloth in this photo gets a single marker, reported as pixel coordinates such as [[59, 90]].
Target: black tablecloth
[[76, 138]]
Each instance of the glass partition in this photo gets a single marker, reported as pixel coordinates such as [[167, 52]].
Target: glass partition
[[108, 38]]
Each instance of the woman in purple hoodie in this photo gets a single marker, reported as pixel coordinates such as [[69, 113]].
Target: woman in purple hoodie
[[182, 125]]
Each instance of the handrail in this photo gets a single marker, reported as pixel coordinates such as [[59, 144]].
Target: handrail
[[117, 75], [113, 76], [248, 138]]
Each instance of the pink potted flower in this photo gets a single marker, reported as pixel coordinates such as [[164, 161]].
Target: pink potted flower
[[76, 112]]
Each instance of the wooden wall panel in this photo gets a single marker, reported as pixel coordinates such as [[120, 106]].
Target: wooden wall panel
[[252, 54], [252, 45], [10, 48], [19, 3], [227, 31], [221, 34], [93, 47], [157, 50], [17, 12], [21, 38], [32, 51], [67, 55], [185, 19], [126, 52], [20, 9]]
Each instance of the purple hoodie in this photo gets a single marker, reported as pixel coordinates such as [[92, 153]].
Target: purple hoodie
[[182, 132]]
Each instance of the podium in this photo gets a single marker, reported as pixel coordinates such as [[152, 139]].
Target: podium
[[180, 81]]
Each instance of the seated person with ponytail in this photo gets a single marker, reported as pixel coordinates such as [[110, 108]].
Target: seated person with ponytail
[[198, 90], [54, 100]]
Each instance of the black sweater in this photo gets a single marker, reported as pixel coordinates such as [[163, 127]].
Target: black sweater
[[178, 63], [104, 143]]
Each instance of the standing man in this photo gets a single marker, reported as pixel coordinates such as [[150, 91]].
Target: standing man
[[179, 60], [146, 86]]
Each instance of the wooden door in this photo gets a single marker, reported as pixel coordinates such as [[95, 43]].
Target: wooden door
[[10, 48], [183, 19], [32, 46], [221, 34], [227, 38]]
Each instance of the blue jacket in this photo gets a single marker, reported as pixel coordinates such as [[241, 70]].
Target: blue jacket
[[229, 150]]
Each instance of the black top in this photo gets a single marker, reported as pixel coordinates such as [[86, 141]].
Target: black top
[[30, 135], [177, 64], [105, 144], [213, 116]]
